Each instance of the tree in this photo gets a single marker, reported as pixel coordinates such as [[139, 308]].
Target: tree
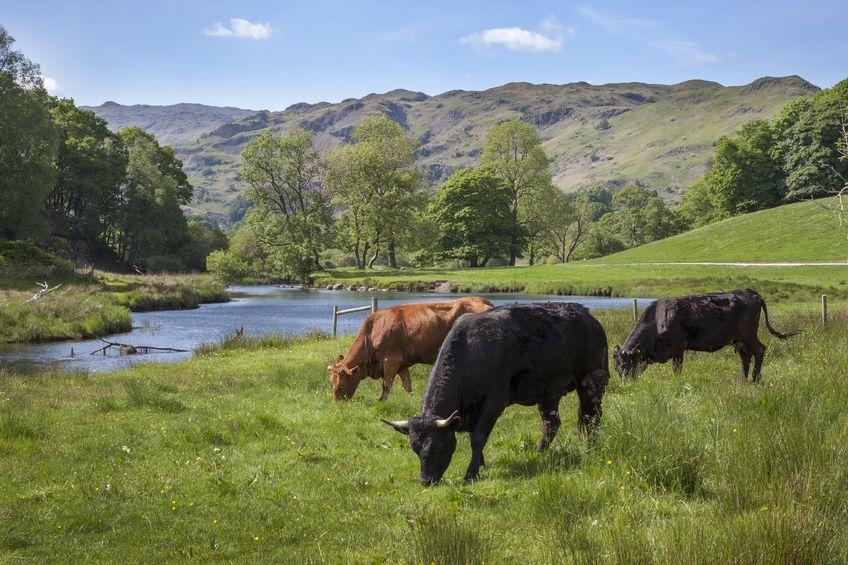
[[513, 152], [90, 168], [745, 176], [574, 218], [808, 132], [27, 144], [377, 185], [291, 212], [472, 213], [151, 229], [640, 217]]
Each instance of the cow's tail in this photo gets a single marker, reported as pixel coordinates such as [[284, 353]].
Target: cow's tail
[[771, 330]]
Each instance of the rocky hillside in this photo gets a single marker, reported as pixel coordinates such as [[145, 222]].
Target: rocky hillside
[[660, 136], [177, 125]]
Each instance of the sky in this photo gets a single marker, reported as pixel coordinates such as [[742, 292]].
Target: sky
[[269, 54]]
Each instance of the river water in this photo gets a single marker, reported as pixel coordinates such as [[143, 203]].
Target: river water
[[259, 310]]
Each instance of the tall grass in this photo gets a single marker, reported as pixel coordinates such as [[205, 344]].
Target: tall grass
[[240, 455], [96, 305], [74, 312]]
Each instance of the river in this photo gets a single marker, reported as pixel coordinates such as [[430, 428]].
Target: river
[[259, 310]]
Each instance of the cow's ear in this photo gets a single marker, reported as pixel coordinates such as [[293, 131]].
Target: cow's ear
[[339, 359], [400, 425]]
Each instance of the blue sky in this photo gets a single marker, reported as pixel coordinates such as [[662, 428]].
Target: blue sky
[[264, 54]]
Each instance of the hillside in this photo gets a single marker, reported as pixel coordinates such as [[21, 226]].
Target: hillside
[[660, 136], [176, 125], [801, 232]]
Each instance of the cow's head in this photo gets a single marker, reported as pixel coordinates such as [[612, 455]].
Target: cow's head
[[433, 440], [344, 380], [628, 364]]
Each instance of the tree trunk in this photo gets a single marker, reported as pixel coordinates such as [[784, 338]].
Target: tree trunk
[[392, 257], [472, 261], [374, 258], [317, 260], [485, 260], [360, 259]]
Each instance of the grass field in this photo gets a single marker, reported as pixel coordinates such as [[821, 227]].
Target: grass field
[[801, 232], [239, 455], [596, 278]]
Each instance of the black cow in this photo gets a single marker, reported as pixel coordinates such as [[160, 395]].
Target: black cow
[[708, 322], [529, 354]]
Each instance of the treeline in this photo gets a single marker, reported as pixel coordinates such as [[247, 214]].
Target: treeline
[[802, 153], [365, 203], [70, 185]]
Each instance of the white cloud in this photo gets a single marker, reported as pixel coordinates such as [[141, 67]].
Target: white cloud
[[654, 34], [240, 28], [51, 86], [548, 38]]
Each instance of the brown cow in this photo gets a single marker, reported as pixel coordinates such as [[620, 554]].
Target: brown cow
[[395, 338]]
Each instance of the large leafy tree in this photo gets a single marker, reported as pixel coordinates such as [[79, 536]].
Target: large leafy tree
[[808, 133], [291, 214], [91, 166], [513, 151], [745, 177], [573, 220], [151, 229], [27, 144], [472, 213], [376, 184]]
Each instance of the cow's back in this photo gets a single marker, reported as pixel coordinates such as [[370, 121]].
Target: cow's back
[[524, 351], [415, 331]]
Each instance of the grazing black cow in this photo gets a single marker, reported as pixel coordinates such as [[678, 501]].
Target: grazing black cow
[[708, 322], [529, 354]]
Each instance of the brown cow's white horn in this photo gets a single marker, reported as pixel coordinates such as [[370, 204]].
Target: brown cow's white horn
[[400, 425], [448, 421]]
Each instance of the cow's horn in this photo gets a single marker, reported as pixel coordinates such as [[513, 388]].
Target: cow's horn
[[448, 421], [400, 425]]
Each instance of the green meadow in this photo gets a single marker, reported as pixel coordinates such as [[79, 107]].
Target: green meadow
[[238, 454]]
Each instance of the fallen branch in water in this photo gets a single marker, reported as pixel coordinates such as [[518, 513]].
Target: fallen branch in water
[[127, 349], [45, 288]]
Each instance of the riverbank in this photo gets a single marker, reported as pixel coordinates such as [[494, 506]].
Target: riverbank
[[239, 455], [96, 304], [596, 278]]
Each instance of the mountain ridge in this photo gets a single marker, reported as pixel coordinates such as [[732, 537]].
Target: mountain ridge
[[659, 136]]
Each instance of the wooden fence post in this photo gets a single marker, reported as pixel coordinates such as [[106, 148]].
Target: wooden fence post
[[373, 304], [335, 319], [824, 309], [635, 311]]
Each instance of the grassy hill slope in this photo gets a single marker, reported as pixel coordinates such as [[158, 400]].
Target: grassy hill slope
[[801, 232]]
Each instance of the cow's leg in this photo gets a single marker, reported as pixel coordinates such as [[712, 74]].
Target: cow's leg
[[745, 356], [549, 411], [677, 363], [590, 390], [479, 437], [759, 351], [390, 369], [405, 380]]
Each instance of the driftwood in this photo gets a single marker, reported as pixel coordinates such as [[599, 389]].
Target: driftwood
[[45, 289], [127, 349]]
